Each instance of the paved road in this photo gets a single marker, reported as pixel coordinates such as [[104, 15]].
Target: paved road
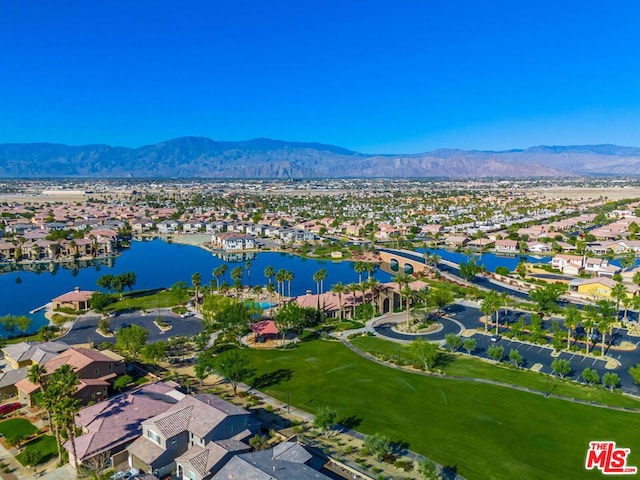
[[448, 326], [532, 354], [84, 330]]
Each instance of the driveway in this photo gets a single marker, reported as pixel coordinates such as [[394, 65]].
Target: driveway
[[84, 330]]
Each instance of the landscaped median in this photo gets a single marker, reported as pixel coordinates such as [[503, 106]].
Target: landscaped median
[[484, 430]]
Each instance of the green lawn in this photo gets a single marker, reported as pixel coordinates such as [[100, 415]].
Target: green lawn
[[17, 426], [138, 301], [464, 366], [485, 431], [45, 446]]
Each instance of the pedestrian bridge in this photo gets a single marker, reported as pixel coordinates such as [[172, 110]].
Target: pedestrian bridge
[[402, 261]]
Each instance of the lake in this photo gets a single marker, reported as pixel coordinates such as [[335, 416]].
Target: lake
[[490, 260], [159, 264]]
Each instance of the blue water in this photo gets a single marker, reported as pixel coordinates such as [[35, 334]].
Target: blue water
[[490, 260], [159, 264]]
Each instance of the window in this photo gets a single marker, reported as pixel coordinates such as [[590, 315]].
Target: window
[[153, 436], [110, 366], [97, 371]]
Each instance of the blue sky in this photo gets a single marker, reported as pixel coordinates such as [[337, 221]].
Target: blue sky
[[373, 76]]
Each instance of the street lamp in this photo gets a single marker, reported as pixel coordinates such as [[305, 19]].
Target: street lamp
[[289, 402]]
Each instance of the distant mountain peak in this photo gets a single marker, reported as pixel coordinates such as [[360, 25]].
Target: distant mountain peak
[[194, 156]]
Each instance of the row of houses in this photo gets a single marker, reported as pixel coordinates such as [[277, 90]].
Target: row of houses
[[576, 264], [158, 430]]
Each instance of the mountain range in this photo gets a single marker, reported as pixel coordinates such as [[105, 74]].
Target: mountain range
[[199, 157]]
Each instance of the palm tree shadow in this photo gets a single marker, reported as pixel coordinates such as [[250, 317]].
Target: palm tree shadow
[[272, 378]]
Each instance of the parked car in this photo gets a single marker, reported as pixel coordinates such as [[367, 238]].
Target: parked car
[[186, 315], [9, 407], [495, 337], [124, 325]]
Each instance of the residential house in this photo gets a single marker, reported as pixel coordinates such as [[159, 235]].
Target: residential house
[[538, 247], [506, 246], [76, 300], [569, 264], [456, 241], [600, 267], [170, 226], [599, 287], [25, 354], [286, 461], [481, 243], [96, 370], [187, 431], [233, 241], [109, 426]]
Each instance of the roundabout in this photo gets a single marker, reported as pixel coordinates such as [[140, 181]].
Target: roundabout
[[386, 327]]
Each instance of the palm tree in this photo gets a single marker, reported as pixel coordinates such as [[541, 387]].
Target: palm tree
[[370, 268], [589, 322], [401, 279], [271, 289], [289, 278], [372, 284], [407, 292], [353, 288], [636, 278], [619, 292], [317, 276], [322, 275], [339, 289], [281, 277], [607, 319], [269, 272], [572, 318], [359, 267], [236, 276], [67, 409], [217, 273], [196, 280], [247, 267], [37, 375], [490, 306]]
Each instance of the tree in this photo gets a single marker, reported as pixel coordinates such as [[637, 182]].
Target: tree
[[288, 276], [152, 352], [515, 357], [122, 381], [469, 270], [179, 293], [469, 344], [23, 323], [196, 280], [572, 317], [610, 380], [407, 292], [218, 272], [628, 260], [104, 325], [360, 268], [561, 366], [453, 341], [106, 282], [325, 419], [428, 470], [378, 445], [131, 339], [635, 373], [339, 289], [100, 301], [233, 319], [269, 272], [607, 318], [590, 376], [247, 267], [547, 297], [426, 353], [491, 305], [259, 442], [319, 277], [496, 352], [234, 366], [439, 298], [236, 276], [619, 292]]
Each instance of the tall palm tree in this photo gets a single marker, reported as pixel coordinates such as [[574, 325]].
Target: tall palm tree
[[401, 279], [316, 278], [322, 275], [67, 409], [236, 276], [372, 284], [406, 292], [353, 288], [289, 278], [572, 318], [247, 267], [489, 306], [591, 316], [339, 289], [271, 289], [619, 292], [217, 273], [196, 280], [269, 272], [370, 268], [281, 277], [359, 267], [37, 375]]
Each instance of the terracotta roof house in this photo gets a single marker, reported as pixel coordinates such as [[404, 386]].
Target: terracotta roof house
[[96, 370], [286, 461], [76, 300], [186, 431], [109, 426]]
